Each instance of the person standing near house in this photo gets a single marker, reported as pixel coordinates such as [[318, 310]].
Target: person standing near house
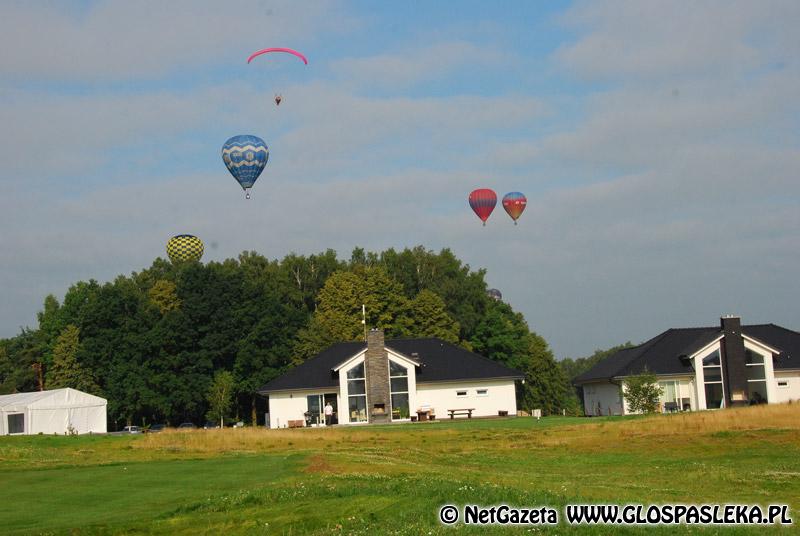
[[328, 414]]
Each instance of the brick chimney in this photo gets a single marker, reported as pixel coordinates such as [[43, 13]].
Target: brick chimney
[[376, 368], [733, 362]]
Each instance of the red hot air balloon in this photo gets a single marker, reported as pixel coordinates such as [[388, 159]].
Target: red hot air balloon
[[514, 203], [483, 202]]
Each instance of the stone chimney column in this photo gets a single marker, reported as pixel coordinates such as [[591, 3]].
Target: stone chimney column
[[733, 362], [376, 368]]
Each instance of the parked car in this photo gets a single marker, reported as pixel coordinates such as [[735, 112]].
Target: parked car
[[156, 428], [187, 425], [131, 430], [210, 425]]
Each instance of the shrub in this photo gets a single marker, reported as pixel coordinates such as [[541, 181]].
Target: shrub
[[643, 392]]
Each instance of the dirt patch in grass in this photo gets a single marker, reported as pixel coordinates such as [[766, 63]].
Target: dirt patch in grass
[[318, 463]]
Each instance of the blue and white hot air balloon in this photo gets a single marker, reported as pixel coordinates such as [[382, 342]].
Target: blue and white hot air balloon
[[245, 157]]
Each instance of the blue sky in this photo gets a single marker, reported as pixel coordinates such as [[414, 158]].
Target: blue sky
[[657, 142]]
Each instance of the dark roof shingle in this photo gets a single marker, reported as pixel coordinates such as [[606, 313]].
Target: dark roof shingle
[[662, 354], [438, 360]]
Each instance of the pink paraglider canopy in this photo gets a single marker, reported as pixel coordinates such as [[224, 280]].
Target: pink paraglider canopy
[[287, 50]]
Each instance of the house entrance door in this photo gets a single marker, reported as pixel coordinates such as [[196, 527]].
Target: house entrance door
[[316, 408], [331, 398]]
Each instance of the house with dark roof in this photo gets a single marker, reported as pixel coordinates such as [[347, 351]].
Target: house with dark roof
[[702, 368], [381, 381]]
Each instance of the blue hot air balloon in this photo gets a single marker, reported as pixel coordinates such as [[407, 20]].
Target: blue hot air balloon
[[245, 157]]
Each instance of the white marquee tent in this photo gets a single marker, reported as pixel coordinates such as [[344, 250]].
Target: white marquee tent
[[47, 412]]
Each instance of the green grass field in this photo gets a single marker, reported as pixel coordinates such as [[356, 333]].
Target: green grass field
[[392, 479]]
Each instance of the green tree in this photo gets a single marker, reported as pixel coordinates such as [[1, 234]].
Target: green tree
[[23, 353], [220, 396], [339, 315], [163, 294], [7, 370], [642, 392], [463, 290], [66, 370], [575, 367], [309, 274], [504, 336], [430, 318], [271, 312]]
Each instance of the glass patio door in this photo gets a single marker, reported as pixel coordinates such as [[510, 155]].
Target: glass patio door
[[314, 414], [316, 408]]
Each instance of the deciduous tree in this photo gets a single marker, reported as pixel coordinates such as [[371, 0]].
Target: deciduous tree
[[220, 396], [642, 392]]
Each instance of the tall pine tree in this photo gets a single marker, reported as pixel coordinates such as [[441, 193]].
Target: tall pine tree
[[65, 370]]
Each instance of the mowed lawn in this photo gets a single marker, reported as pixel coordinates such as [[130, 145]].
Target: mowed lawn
[[392, 479]]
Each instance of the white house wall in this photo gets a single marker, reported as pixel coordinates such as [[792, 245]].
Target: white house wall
[[604, 394], [292, 406], [442, 396], [789, 392]]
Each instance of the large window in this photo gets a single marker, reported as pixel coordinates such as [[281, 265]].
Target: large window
[[357, 394], [398, 379], [756, 377], [16, 423], [669, 395], [712, 374]]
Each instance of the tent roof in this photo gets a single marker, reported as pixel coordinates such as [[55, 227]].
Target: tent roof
[[54, 398]]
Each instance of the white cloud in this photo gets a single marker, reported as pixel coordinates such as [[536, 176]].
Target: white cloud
[[412, 65], [117, 40], [633, 190], [671, 42]]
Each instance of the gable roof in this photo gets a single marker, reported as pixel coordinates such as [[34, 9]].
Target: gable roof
[[661, 354], [439, 361], [316, 371]]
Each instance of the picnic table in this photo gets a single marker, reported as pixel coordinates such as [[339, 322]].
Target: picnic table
[[463, 411]]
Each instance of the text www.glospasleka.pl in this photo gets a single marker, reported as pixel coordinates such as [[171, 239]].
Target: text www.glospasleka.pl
[[612, 514]]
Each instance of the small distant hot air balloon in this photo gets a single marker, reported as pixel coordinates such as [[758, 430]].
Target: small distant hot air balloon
[[184, 247], [514, 203], [483, 202], [494, 294], [245, 157]]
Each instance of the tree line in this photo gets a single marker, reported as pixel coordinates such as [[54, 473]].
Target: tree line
[[151, 342]]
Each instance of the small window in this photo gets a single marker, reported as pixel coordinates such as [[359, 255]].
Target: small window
[[752, 358], [483, 392], [711, 360], [356, 372], [783, 384], [396, 370], [461, 393]]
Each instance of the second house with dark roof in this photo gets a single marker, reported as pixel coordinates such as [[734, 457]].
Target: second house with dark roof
[[388, 381], [702, 368]]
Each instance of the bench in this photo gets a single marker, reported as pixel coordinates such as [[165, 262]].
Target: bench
[[465, 411]]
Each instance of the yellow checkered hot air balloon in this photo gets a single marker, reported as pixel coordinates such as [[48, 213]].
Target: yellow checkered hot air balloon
[[184, 247]]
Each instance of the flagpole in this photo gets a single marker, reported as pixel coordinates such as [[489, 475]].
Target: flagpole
[[364, 320]]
